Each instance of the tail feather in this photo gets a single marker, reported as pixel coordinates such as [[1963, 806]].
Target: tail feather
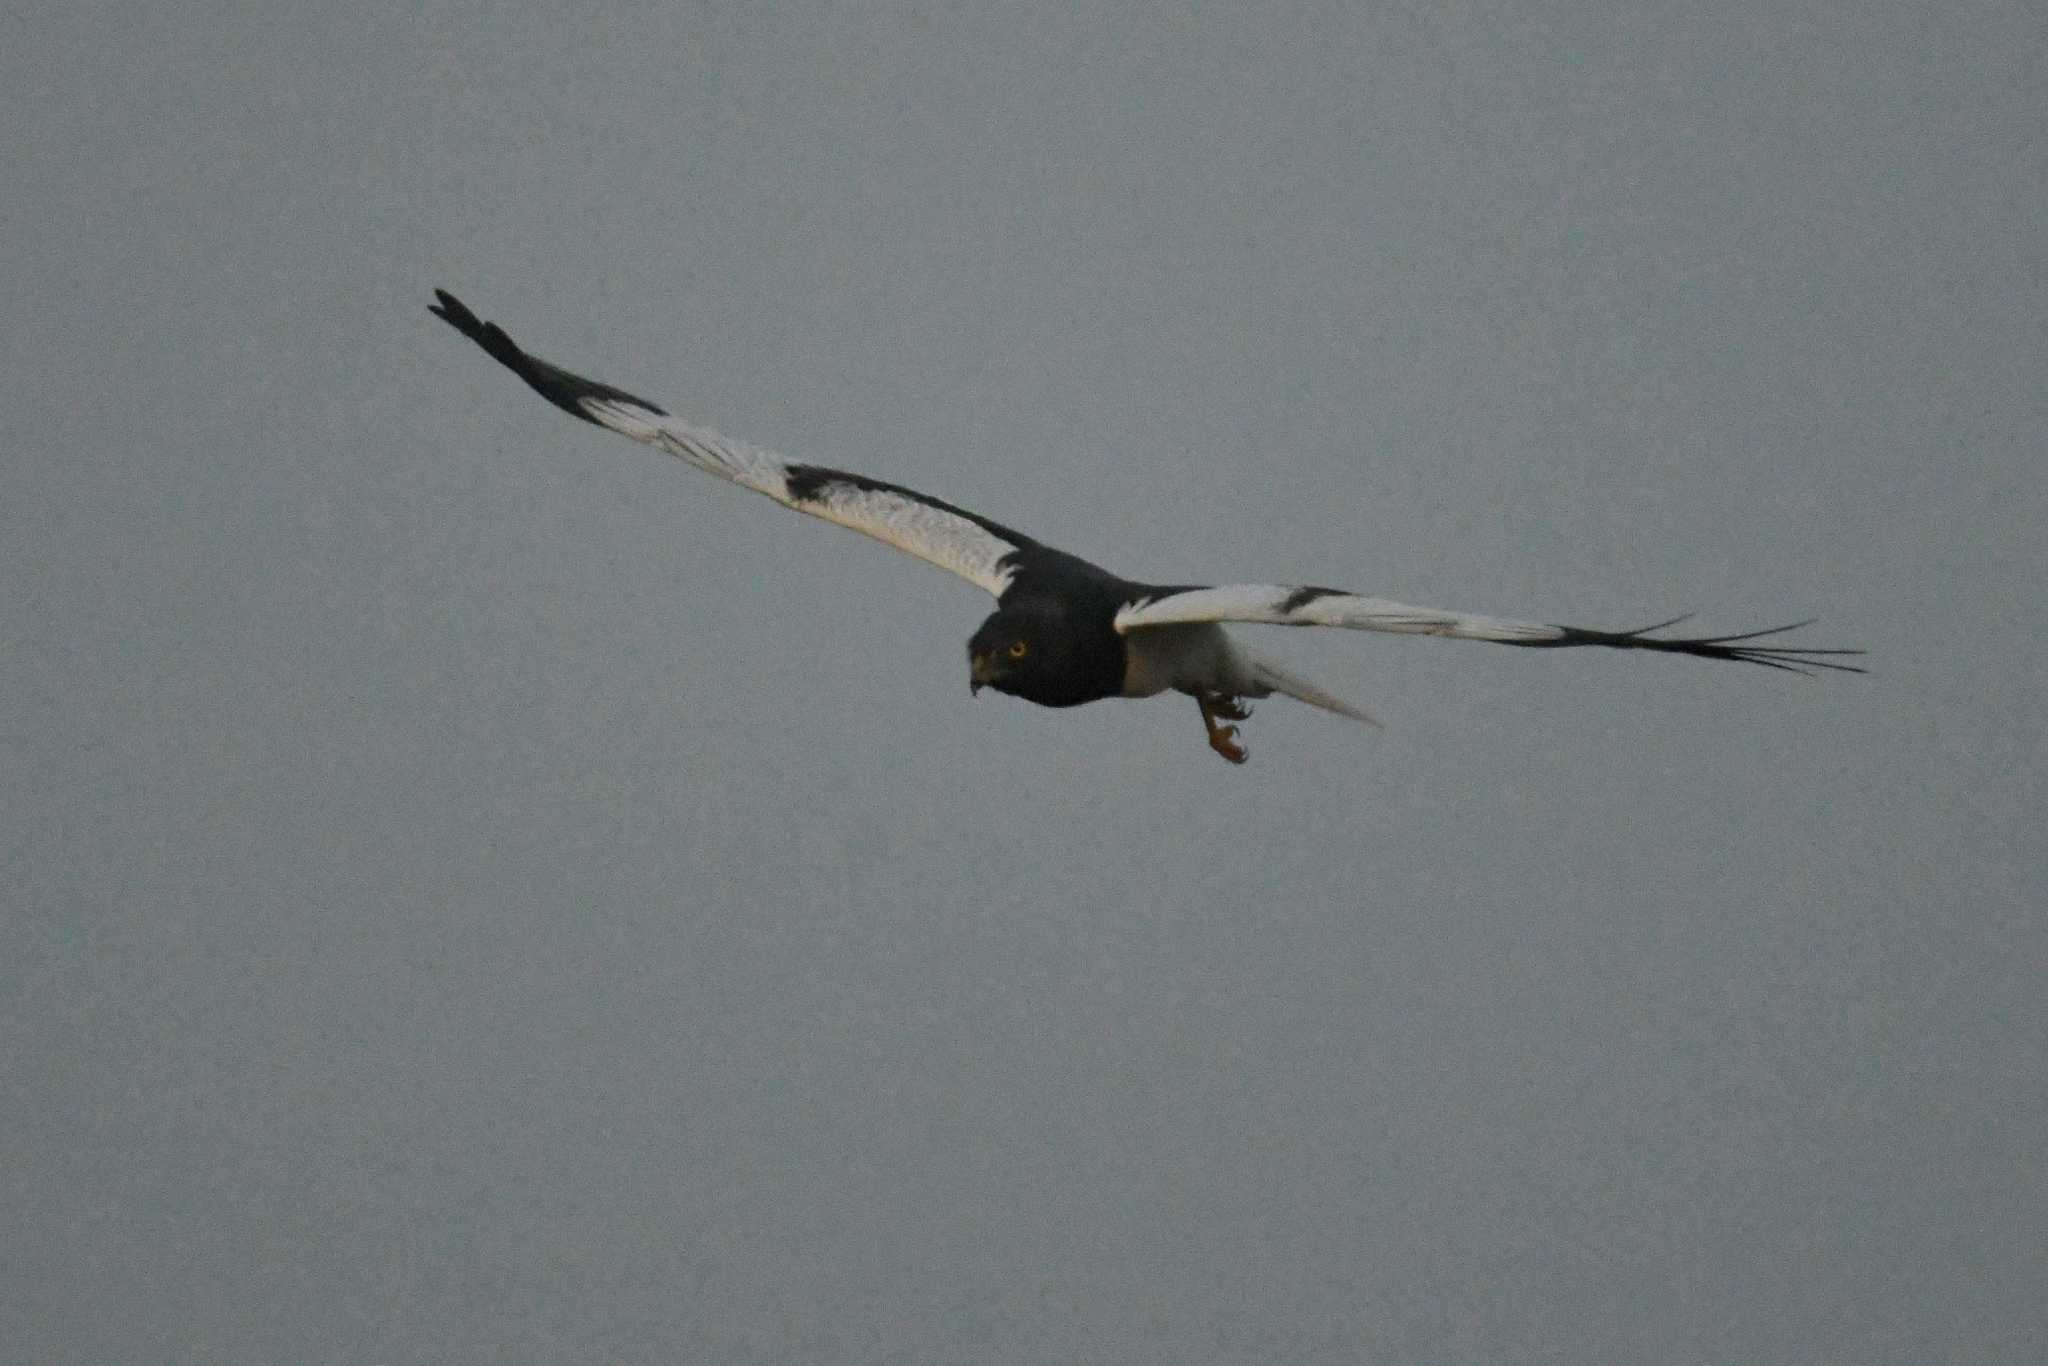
[[1271, 675]]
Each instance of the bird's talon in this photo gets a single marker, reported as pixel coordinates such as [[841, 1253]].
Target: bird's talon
[[1223, 741]]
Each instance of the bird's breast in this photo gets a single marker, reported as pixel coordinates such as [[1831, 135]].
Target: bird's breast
[[1194, 658]]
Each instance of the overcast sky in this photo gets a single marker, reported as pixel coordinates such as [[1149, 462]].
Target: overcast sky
[[478, 891]]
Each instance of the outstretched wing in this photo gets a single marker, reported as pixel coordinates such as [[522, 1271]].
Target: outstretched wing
[[978, 550], [1286, 606]]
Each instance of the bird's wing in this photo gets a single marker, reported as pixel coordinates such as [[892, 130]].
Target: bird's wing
[[1288, 606], [978, 550]]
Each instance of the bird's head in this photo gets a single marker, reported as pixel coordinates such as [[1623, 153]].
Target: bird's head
[[1027, 652]]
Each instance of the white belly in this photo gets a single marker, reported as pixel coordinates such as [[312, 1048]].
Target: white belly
[[1194, 658]]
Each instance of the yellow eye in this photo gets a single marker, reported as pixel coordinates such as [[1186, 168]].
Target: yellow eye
[[1018, 649]]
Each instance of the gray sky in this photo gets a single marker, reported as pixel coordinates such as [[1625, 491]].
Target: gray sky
[[476, 891]]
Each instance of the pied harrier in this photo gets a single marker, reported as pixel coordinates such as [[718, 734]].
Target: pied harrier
[[1064, 631]]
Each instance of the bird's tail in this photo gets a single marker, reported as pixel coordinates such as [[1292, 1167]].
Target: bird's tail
[[1272, 676]]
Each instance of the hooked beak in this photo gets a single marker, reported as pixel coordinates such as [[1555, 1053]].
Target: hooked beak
[[982, 670]]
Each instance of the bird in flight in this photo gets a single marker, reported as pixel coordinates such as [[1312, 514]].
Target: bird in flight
[[1066, 631]]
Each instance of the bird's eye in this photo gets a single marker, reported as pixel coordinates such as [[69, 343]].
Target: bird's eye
[[1018, 649]]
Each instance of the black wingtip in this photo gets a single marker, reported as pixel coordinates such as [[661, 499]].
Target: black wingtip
[[449, 307], [456, 314], [1805, 662], [558, 386], [489, 336]]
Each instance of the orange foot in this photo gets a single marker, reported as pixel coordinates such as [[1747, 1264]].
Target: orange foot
[[1223, 739], [1222, 742]]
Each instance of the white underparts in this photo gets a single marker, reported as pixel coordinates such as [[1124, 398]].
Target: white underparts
[[1202, 660], [1194, 658]]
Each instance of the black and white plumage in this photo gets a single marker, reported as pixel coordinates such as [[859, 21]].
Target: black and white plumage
[[1066, 631]]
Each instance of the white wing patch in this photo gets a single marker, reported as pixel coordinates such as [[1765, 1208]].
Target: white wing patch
[[920, 528], [931, 530], [745, 465], [1281, 605]]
